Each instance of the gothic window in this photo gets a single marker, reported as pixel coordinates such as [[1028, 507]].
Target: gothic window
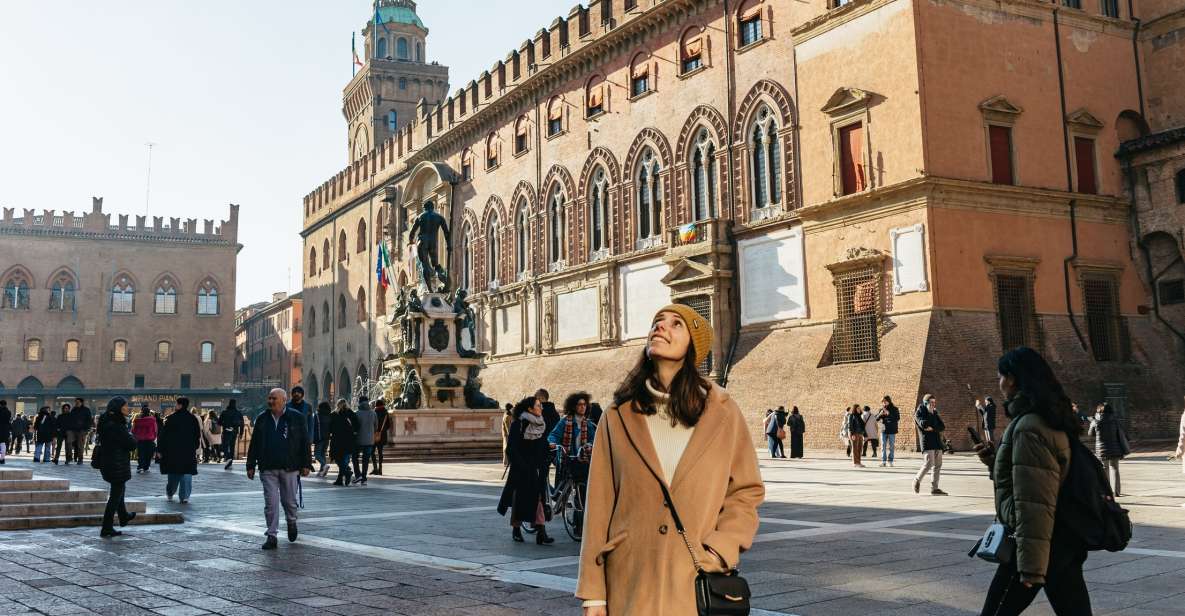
[[119, 351], [703, 177], [492, 252], [207, 353], [123, 295], [326, 321], [313, 261], [650, 197], [380, 300], [16, 292], [382, 48], [557, 221], [73, 351], [33, 350], [341, 311], [342, 255], [164, 300], [61, 295], [598, 206], [325, 254], [362, 313], [521, 238], [361, 244], [401, 48], [207, 298], [467, 257], [312, 321], [765, 160], [164, 351]]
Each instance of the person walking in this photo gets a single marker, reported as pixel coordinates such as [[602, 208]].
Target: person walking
[[144, 431], [987, 417], [931, 427], [78, 431], [60, 428], [1028, 468], [575, 434], [19, 426], [889, 418], [1110, 443], [177, 446], [525, 493], [207, 454], [231, 421], [550, 415], [302, 406], [771, 432], [872, 434], [856, 434], [507, 421], [45, 426], [382, 434], [280, 449], [343, 434], [320, 450], [5, 429], [796, 426], [114, 447], [781, 414], [845, 436], [674, 483], [364, 441]]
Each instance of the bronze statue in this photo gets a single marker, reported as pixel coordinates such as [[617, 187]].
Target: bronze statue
[[426, 230], [409, 397]]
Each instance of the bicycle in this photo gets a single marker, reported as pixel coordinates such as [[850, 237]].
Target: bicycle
[[565, 497]]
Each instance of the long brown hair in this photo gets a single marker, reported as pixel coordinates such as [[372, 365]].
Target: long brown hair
[[688, 392]]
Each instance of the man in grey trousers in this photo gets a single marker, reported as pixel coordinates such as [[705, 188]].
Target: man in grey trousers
[[280, 448]]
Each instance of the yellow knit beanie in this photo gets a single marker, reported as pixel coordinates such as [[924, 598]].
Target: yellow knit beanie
[[698, 326]]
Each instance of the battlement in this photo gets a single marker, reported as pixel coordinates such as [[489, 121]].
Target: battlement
[[545, 52], [97, 223]]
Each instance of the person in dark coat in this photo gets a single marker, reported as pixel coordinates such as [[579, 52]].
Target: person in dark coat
[[550, 415], [525, 491], [5, 429], [60, 427], [889, 417], [1110, 442], [987, 416], [20, 425], [321, 445], [382, 434], [855, 425], [343, 433], [796, 426], [177, 446], [115, 445], [45, 426], [231, 421], [82, 421], [930, 426]]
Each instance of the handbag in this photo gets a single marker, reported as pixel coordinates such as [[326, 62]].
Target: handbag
[[997, 545], [716, 594]]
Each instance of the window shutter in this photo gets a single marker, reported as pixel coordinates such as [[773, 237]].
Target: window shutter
[[1001, 148], [595, 97], [753, 12], [852, 158], [641, 70], [693, 46], [1084, 157], [556, 112], [521, 129]]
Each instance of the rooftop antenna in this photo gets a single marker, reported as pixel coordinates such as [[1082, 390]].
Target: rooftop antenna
[[148, 181]]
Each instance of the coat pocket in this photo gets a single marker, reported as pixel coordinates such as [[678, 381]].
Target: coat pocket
[[611, 545]]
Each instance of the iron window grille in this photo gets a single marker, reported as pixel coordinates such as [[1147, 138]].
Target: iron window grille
[[1014, 310], [1108, 336], [855, 337]]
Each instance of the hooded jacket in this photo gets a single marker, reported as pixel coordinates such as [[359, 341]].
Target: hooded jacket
[[115, 445]]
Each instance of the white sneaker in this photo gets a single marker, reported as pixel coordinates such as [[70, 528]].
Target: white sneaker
[[882, 464]]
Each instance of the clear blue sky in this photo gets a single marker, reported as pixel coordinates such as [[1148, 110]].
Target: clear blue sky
[[242, 98]]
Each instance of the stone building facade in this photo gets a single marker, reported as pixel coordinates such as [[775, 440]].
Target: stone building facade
[[268, 348], [864, 198], [95, 307]]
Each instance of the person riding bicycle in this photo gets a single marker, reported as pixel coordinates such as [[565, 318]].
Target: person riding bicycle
[[574, 434]]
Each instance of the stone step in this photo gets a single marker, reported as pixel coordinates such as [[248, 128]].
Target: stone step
[[26, 485], [74, 495], [28, 510], [15, 473], [84, 520], [440, 452]]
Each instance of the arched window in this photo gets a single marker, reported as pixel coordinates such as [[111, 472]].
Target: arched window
[[650, 198], [61, 295], [598, 214], [467, 257], [16, 291], [380, 224], [32, 349], [362, 312], [312, 328], [380, 300], [313, 261], [492, 151], [492, 252], [467, 164], [73, 351], [749, 28], [164, 351], [119, 351], [401, 48], [382, 48], [325, 323], [522, 237], [521, 135], [123, 295], [419, 51], [341, 311], [207, 298], [342, 255], [640, 75], [594, 102], [557, 227], [361, 247], [703, 177], [164, 300], [325, 254], [555, 116], [765, 160], [392, 120], [691, 52], [207, 352]]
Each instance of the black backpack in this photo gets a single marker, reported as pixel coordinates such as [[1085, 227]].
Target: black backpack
[[1086, 509]]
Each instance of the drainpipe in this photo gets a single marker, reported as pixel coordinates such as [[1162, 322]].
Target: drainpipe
[[734, 295], [1136, 56], [1061, 88], [1152, 276]]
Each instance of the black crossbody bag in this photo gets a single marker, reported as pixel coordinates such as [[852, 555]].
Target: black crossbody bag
[[716, 594]]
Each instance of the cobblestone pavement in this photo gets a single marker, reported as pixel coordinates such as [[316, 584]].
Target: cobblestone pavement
[[425, 539]]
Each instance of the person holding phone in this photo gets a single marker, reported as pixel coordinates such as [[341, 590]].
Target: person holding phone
[[931, 426], [889, 417]]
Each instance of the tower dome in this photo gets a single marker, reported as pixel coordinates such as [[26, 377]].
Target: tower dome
[[400, 12]]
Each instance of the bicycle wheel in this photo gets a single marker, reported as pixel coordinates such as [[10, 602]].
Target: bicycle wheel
[[573, 511]]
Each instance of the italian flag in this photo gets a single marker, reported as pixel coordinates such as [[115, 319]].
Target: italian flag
[[382, 268]]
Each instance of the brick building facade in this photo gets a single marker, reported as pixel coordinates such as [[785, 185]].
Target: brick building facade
[[268, 348], [864, 198], [95, 307]]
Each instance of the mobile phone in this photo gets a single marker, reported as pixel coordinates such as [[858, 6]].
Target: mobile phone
[[974, 436]]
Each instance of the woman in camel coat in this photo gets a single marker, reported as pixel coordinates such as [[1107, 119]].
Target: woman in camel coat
[[668, 422]]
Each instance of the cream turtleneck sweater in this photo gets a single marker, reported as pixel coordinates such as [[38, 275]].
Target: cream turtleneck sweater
[[669, 441]]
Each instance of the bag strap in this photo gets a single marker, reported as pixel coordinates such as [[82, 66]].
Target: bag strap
[[666, 495]]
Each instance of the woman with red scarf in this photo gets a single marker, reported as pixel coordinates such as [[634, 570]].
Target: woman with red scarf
[[575, 433]]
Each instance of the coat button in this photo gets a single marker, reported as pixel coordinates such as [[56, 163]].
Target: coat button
[[662, 529]]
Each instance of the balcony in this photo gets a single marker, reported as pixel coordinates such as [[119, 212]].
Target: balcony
[[647, 243], [696, 238]]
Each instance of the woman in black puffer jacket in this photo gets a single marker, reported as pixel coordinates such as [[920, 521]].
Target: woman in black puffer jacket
[[114, 456], [1110, 442]]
